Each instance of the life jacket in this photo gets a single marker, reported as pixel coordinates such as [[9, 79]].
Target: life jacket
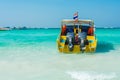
[[90, 31], [63, 29]]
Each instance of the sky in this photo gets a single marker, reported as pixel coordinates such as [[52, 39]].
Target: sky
[[49, 13]]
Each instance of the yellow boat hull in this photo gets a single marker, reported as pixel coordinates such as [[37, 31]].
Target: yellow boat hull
[[63, 48]]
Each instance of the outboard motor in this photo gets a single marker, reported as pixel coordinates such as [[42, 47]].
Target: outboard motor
[[70, 40], [82, 36]]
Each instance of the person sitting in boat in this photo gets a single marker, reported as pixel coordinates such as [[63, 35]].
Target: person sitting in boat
[[76, 37], [63, 30], [90, 31]]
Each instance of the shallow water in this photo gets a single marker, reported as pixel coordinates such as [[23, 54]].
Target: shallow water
[[33, 55]]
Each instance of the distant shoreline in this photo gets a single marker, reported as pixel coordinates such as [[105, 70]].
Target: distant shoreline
[[96, 28], [26, 28]]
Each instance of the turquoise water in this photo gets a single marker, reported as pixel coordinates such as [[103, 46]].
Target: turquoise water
[[33, 55]]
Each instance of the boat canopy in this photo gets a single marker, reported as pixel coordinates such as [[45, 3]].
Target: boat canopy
[[68, 21]]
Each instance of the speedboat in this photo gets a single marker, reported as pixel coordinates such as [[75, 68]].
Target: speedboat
[[77, 37]]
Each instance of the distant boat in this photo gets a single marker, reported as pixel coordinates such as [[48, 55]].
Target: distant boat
[[77, 37], [4, 29]]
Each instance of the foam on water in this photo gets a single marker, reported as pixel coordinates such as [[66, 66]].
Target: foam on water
[[85, 75]]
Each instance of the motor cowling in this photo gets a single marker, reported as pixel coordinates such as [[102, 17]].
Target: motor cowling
[[82, 37], [70, 40]]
